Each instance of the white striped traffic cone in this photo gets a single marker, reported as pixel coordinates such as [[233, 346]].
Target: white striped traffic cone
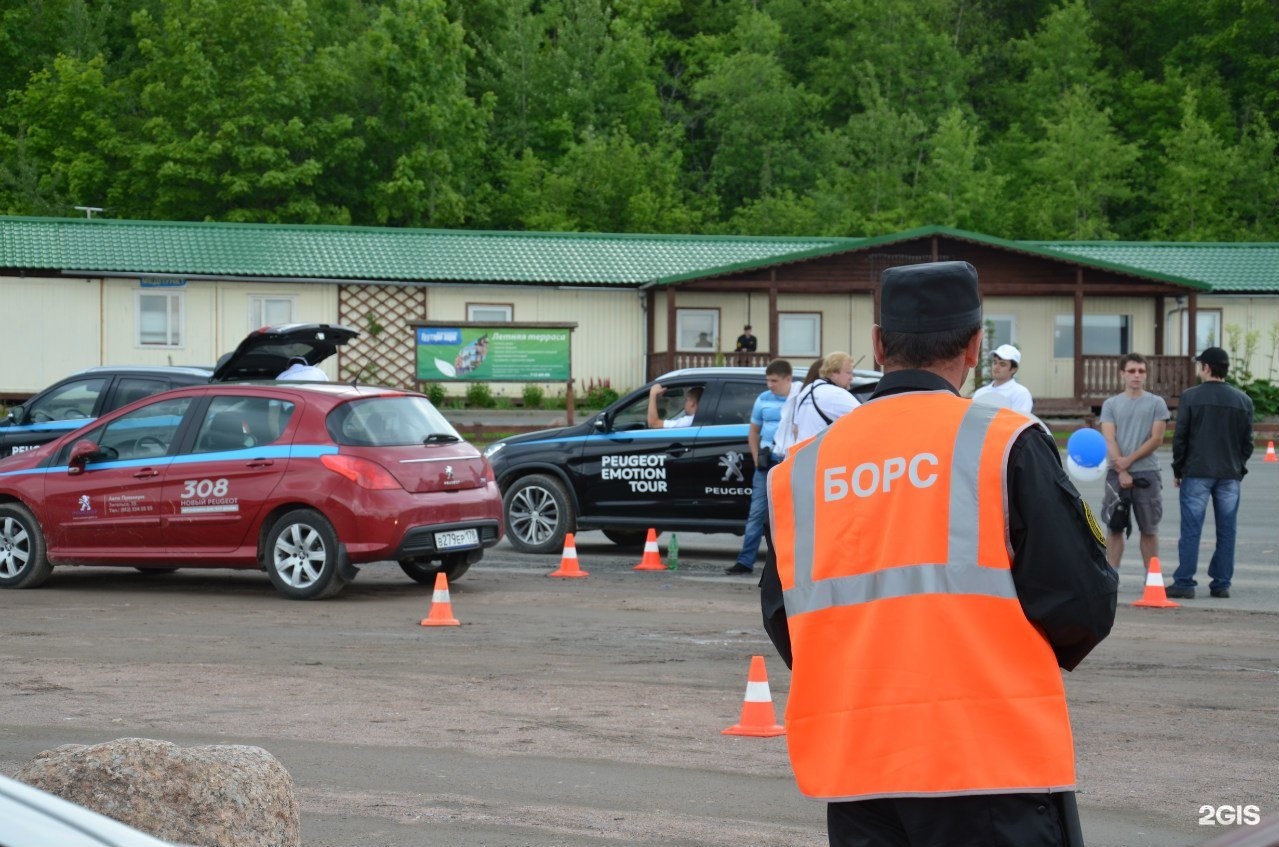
[[568, 568], [758, 718], [441, 613], [652, 559]]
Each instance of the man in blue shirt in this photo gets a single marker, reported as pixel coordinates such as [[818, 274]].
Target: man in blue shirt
[[765, 415]]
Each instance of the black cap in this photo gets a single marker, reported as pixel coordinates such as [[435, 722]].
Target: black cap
[[930, 297], [1214, 356]]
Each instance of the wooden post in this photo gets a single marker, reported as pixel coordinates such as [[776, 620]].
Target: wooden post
[[1079, 334]]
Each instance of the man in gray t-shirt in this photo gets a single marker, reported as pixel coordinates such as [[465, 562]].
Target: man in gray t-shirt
[[1133, 423]]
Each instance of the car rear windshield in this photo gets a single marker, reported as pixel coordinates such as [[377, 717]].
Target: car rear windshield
[[389, 422]]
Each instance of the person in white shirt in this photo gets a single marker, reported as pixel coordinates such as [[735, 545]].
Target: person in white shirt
[[300, 371], [1004, 389], [784, 438], [685, 418], [827, 398]]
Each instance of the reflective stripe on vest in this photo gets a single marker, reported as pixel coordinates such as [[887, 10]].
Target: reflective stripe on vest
[[960, 575]]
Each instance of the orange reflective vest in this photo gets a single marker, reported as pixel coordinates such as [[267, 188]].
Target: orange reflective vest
[[915, 673]]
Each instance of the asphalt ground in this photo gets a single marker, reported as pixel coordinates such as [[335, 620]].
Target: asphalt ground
[[588, 712]]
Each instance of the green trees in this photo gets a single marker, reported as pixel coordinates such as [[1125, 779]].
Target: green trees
[[1040, 119], [223, 129]]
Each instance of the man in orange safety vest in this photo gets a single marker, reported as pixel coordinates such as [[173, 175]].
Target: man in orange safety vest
[[933, 568]]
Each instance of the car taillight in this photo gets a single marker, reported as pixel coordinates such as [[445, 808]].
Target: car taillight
[[362, 472]]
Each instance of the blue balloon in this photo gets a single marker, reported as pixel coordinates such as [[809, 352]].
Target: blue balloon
[[1087, 447]]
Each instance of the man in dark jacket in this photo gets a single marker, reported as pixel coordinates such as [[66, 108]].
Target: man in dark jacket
[[1210, 446], [928, 338]]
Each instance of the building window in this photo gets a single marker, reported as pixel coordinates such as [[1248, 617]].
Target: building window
[[270, 311], [1000, 329], [490, 313], [1104, 335], [799, 334], [1207, 329], [696, 330], [159, 318]]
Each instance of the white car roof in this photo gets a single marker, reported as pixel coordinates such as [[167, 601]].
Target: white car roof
[[34, 818]]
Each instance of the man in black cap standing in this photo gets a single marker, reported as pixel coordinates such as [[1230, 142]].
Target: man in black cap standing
[[933, 567], [746, 343], [1211, 445]]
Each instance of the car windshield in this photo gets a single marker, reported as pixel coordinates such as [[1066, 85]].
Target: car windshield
[[389, 422]]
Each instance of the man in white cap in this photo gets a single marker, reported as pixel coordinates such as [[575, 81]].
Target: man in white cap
[[1004, 389]]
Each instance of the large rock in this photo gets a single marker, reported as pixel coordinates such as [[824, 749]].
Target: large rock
[[214, 796]]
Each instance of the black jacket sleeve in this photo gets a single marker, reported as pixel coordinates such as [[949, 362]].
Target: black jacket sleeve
[[770, 601], [1064, 583], [1181, 435]]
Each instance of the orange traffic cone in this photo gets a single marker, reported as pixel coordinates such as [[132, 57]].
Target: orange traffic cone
[[652, 560], [758, 718], [441, 613], [568, 568], [1270, 452], [1155, 597]]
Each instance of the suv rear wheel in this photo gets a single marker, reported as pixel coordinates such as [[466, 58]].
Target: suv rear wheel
[[627, 537], [538, 514], [453, 566]]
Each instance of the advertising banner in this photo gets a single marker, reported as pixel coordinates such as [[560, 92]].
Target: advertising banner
[[497, 353]]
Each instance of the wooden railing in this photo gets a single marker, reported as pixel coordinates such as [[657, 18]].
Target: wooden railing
[[660, 363], [1168, 377]]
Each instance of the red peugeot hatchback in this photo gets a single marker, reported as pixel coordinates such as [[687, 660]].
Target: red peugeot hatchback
[[303, 480]]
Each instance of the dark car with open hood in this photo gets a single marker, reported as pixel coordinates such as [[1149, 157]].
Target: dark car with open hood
[[84, 396]]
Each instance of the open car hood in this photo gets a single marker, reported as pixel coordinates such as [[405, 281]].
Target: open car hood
[[266, 352]]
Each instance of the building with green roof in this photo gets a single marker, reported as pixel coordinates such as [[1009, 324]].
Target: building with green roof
[[153, 292]]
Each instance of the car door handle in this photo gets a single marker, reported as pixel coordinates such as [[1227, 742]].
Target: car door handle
[[259, 463], [146, 473], [677, 450]]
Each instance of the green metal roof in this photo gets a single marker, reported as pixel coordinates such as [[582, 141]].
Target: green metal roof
[[1230, 267], [366, 253], [104, 246]]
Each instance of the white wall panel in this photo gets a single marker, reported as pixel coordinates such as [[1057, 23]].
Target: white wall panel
[[52, 327]]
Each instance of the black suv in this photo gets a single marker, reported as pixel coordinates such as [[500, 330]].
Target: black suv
[[612, 472], [85, 395]]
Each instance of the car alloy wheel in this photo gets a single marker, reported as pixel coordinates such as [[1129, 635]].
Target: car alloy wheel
[[302, 556], [23, 563], [538, 514]]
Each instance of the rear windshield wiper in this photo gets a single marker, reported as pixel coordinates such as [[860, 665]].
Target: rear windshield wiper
[[440, 438]]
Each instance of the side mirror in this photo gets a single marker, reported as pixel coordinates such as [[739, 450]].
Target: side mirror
[[82, 453], [603, 423], [16, 413]]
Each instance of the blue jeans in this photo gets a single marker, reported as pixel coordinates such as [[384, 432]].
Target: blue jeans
[[755, 520], [1195, 492]]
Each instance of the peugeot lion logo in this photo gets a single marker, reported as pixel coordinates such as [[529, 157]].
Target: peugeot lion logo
[[731, 462]]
